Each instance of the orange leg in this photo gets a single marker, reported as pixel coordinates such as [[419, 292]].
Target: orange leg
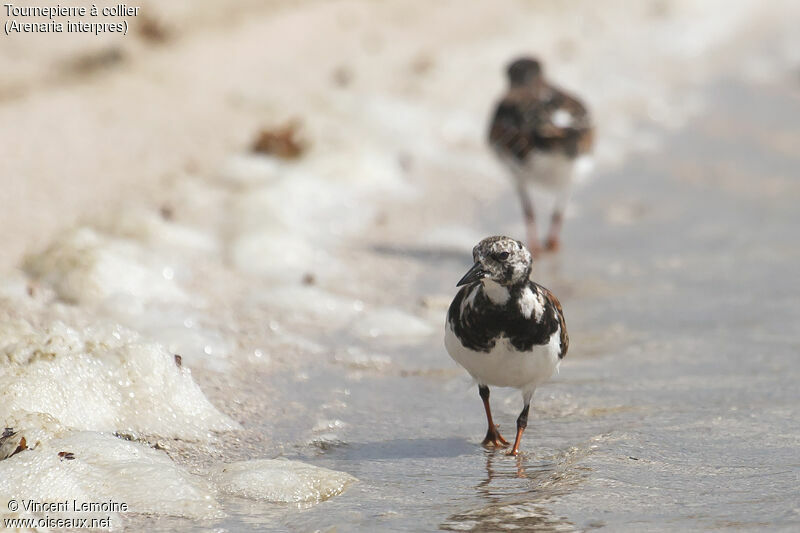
[[522, 423], [530, 219], [553, 242], [493, 437]]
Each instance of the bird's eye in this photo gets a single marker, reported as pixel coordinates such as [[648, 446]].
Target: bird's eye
[[502, 256]]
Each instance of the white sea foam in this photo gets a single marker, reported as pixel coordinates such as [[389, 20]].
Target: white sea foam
[[393, 324], [101, 377], [328, 309], [101, 468], [140, 271], [280, 480], [86, 266]]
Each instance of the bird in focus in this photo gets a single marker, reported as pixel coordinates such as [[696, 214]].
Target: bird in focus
[[544, 136], [504, 329]]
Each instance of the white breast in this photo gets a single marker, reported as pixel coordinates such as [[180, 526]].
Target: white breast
[[551, 171], [496, 293], [504, 365], [554, 172]]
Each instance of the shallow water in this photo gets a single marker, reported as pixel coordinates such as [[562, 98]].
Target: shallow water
[[677, 407]]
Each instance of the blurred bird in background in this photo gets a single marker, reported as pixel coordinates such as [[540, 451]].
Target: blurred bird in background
[[544, 136]]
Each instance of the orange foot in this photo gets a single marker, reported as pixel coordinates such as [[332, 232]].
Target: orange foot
[[535, 248], [552, 244], [515, 449], [494, 439]]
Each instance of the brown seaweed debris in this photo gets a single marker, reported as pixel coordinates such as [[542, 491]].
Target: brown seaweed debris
[[282, 141], [342, 76], [167, 212], [11, 443], [69, 456], [32, 287], [153, 30], [96, 61], [422, 64], [178, 360]]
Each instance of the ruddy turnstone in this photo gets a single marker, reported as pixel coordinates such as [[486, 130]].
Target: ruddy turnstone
[[544, 136], [504, 329]]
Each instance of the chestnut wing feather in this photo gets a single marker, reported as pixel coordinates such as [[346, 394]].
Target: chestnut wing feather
[[551, 300], [524, 122]]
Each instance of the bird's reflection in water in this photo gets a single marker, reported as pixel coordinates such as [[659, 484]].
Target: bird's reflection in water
[[515, 496], [500, 467]]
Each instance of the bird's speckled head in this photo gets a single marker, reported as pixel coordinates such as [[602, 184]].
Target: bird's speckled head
[[524, 71], [500, 259]]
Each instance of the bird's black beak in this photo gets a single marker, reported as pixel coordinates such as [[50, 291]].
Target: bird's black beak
[[476, 273]]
